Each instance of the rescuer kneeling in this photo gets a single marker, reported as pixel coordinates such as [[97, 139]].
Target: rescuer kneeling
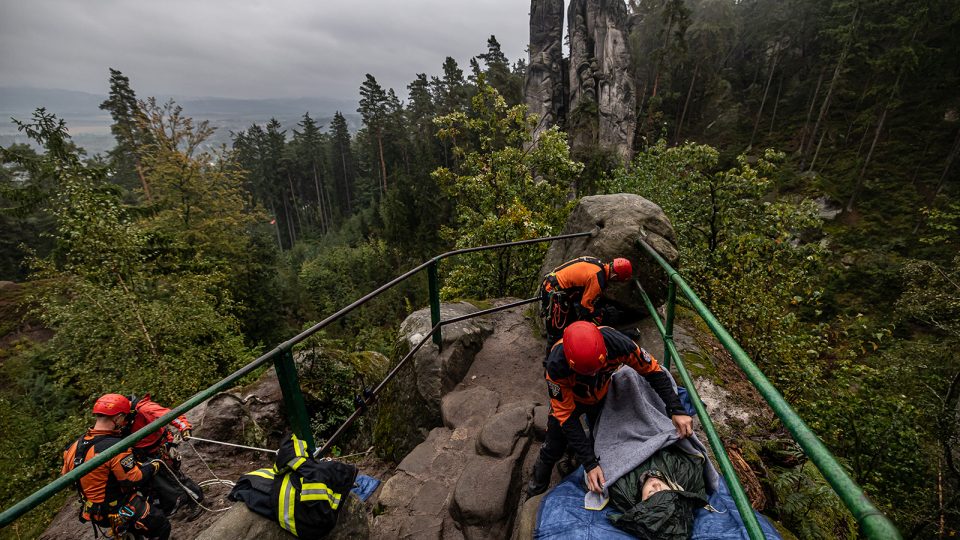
[[578, 371], [109, 493]]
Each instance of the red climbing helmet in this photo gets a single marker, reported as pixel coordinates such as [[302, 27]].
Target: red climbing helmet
[[111, 404], [621, 269], [584, 347]]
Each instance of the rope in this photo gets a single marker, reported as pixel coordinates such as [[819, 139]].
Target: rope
[[189, 492], [194, 438]]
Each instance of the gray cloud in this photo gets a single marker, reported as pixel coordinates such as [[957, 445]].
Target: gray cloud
[[248, 48]]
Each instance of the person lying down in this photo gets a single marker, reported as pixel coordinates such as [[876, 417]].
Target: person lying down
[[657, 499], [655, 480]]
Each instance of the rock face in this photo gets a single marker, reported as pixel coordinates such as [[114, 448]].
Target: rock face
[[410, 407], [596, 99], [620, 220], [603, 98], [465, 480], [545, 84]]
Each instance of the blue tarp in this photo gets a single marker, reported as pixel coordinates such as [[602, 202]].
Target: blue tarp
[[562, 516], [364, 486]]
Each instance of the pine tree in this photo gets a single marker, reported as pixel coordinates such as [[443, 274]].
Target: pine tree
[[373, 109], [342, 162], [128, 130]]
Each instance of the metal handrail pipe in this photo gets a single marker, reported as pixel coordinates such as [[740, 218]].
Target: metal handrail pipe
[[73, 476], [740, 498], [873, 523], [372, 396], [376, 292]]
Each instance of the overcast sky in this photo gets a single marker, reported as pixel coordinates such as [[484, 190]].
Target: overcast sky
[[248, 48]]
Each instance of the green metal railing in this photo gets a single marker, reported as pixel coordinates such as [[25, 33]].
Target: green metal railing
[[283, 362], [873, 523]]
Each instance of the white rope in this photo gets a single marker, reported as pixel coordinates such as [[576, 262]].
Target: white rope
[[189, 492], [194, 438]]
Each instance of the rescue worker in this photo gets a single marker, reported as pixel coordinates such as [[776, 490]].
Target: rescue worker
[[571, 292], [578, 371], [162, 445], [109, 493]]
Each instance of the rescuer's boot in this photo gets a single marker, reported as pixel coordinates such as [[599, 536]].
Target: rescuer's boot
[[540, 479]]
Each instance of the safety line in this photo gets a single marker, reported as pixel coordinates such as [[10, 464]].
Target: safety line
[[195, 438]]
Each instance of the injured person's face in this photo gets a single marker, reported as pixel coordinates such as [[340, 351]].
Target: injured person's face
[[652, 485]]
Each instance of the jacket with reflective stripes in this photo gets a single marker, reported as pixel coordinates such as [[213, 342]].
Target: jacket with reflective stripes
[[301, 493]]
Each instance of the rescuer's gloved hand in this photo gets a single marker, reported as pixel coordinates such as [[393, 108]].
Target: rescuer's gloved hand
[[185, 434]]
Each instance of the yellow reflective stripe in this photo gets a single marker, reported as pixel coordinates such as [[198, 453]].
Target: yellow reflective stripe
[[287, 502], [295, 463], [269, 474], [318, 491], [299, 447]]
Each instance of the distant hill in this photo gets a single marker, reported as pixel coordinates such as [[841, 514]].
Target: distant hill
[[90, 127]]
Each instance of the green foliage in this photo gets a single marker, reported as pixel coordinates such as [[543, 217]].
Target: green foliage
[[503, 189], [813, 510], [330, 379], [743, 254], [113, 311], [338, 275]]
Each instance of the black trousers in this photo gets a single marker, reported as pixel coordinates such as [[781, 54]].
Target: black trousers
[[556, 442]]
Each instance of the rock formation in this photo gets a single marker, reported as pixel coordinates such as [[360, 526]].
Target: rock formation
[[597, 105], [545, 85], [620, 220]]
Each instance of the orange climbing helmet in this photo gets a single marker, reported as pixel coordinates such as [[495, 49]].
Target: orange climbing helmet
[[621, 269], [112, 404], [584, 347]]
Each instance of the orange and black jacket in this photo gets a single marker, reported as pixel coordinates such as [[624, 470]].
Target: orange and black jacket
[[569, 390], [106, 486], [583, 279]]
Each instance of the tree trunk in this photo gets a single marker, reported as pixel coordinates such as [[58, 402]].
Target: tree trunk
[[276, 225], [293, 201], [320, 210], [813, 101], [346, 181], [817, 153], [883, 118], [863, 171], [143, 180], [286, 212], [766, 89], [833, 81], [946, 169], [686, 103], [776, 103], [383, 163]]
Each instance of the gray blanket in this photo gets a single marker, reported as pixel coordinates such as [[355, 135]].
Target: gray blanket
[[632, 427]]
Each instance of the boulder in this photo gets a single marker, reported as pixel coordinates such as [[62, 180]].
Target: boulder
[[438, 372], [410, 406], [239, 523], [486, 494], [527, 518], [501, 432], [540, 413], [463, 406], [620, 220]]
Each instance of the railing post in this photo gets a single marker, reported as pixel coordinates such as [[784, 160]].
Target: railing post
[[293, 398], [433, 282], [668, 324]]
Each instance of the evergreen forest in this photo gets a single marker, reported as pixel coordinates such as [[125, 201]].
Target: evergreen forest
[[806, 152]]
